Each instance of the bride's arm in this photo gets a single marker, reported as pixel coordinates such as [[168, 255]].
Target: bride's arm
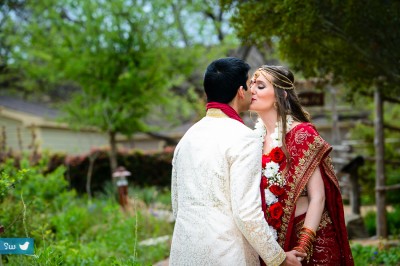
[[316, 198]]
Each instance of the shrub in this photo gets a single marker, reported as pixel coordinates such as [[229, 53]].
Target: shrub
[[148, 169], [69, 230], [369, 255], [393, 221]]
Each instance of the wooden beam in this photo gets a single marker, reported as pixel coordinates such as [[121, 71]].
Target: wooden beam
[[385, 125], [385, 188], [391, 100]]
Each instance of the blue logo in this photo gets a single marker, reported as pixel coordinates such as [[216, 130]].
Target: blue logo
[[16, 246]]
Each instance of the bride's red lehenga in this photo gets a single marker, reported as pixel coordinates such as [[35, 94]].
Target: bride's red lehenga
[[308, 151]]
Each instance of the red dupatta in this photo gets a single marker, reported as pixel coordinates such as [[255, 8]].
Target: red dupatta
[[308, 151]]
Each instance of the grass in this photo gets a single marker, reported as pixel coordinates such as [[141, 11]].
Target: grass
[[72, 230]]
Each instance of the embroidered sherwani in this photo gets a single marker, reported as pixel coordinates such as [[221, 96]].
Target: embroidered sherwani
[[216, 198]]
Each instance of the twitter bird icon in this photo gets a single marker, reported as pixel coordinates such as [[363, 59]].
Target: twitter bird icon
[[17, 246], [24, 246]]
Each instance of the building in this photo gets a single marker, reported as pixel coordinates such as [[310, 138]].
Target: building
[[28, 127]]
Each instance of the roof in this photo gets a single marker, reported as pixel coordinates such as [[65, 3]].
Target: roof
[[36, 109]]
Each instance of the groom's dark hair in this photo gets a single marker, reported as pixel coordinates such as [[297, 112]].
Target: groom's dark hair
[[223, 78]]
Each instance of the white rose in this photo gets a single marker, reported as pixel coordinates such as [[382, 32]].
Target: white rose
[[271, 169]]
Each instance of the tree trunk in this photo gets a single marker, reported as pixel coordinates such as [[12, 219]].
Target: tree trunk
[[113, 152], [92, 158], [380, 194]]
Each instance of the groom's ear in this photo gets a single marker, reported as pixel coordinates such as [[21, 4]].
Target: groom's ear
[[240, 92]]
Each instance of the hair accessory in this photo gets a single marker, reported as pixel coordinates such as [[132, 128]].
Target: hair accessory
[[276, 75]]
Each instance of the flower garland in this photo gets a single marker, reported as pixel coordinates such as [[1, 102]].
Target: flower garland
[[272, 178]]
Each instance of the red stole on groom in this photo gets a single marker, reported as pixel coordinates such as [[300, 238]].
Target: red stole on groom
[[226, 109]]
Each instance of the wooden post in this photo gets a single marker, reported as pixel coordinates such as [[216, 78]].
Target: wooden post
[[380, 195]]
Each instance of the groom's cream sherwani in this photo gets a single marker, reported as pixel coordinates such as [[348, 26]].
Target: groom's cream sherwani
[[216, 197]]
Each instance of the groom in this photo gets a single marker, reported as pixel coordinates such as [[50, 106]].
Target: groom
[[216, 181]]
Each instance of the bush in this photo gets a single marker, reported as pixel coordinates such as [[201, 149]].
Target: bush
[[70, 230], [148, 169], [393, 221], [368, 255]]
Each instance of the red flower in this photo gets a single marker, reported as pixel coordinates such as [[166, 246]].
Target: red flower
[[277, 155], [275, 210], [264, 182], [265, 159], [276, 190], [275, 223]]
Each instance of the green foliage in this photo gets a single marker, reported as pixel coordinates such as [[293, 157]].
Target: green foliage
[[368, 255], [130, 64], [148, 169], [115, 58], [365, 135], [355, 41], [9, 177], [393, 222], [152, 169], [370, 222], [151, 195], [69, 230], [126, 57]]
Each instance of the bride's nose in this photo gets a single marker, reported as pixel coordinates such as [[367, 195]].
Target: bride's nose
[[252, 89]]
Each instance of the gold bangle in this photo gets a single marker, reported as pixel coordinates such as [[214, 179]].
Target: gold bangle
[[308, 229]]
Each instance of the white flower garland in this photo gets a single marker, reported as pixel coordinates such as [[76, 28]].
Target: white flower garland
[[271, 169]]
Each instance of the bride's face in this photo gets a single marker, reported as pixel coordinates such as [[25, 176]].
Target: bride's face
[[263, 94]]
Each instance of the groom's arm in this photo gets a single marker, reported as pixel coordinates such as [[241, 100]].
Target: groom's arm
[[174, 188], [245, 178]]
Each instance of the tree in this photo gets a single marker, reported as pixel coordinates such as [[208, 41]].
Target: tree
[[9, 78], [353, 42], [106, 48], [125, 56]]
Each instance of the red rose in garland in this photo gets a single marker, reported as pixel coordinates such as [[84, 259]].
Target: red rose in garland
[[275, 210], [277, 190], [277, 155], [265, 159], [275, 223]]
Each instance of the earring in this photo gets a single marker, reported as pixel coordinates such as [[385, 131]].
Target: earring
[[275, 105]]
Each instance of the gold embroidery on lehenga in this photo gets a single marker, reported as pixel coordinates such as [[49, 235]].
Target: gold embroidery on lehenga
[[310, 159], [325, 220]]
